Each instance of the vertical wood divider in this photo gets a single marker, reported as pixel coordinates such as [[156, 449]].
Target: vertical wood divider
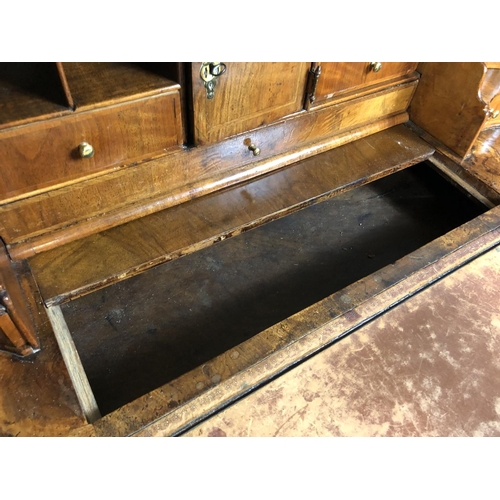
[[64, 81], [73, 364]]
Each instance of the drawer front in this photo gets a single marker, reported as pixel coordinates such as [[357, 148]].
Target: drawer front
[[43, 155], [337, 78]]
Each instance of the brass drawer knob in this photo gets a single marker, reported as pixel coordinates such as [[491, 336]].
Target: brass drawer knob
[[254, 149], [376, 66], [86, 150], [494, 113]]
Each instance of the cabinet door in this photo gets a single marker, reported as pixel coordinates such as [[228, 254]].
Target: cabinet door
[[337, 78], [246, 96]]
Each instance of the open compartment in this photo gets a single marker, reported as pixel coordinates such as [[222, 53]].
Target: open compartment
[[97, 84], [144, 332], [30, 91]]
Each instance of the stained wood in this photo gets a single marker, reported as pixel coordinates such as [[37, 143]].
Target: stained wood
[[99, 84], [132, 192], [35, 157], [340, 77], [426, 368], [247, 96], [178, 405], [37, 396], [30, 92], [447, 103], [90, 263], [73, 364]]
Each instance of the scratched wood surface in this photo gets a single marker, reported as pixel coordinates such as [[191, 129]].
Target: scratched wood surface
[[90, 263], [429, 367]]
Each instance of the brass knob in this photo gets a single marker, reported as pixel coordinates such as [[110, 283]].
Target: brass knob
[[254, 149], [495, 113], [376, 66], [86, 150]]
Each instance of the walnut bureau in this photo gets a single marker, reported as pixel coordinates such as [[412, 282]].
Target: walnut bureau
[[112, 169]]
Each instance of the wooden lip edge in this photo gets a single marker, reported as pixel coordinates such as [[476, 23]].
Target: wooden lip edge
[[226, 234], [23, 249], [473, 247]]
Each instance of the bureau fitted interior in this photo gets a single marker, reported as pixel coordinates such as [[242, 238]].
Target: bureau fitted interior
[[279, 184]]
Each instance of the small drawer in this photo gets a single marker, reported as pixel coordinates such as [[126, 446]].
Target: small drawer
[[338, 78], [39, 156]]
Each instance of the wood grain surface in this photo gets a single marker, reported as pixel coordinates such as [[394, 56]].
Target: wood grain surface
[[43, 155], [98, 260], [447, 103], [247, 96], [30, 92], [151, 186], [91, 85]]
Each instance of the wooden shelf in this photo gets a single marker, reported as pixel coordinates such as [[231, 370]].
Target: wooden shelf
[[113, 255], [28, 92], [97, 84]]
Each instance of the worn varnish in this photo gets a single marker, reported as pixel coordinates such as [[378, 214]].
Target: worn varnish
[[90, 263], [141, 189], [429, 367]]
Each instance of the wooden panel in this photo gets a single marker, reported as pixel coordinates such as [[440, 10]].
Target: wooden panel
[[340, 77], [99, 84], [38, 156], [155, 185], [111, 256], [247, 95], [447, 103], [30, 92], [426, 368], [181, 403]]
